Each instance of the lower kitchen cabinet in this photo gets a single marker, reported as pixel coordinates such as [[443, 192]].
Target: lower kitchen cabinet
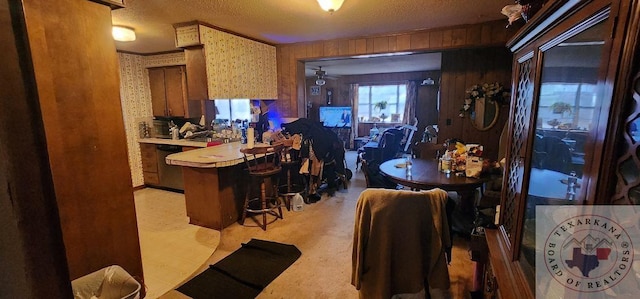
[[149, 164]]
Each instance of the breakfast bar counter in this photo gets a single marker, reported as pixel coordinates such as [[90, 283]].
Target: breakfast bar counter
[[222, 155], [179, 142], [214, 183]]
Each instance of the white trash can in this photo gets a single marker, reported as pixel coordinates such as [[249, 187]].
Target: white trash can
[[111, 282]]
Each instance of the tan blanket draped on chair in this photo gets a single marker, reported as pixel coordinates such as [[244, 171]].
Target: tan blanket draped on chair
[[399, 243]]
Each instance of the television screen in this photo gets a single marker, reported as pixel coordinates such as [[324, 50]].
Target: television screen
[[335, 116]]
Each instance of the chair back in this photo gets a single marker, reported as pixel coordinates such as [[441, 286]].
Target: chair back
[[365, 171], [558, 154], [389, 145], [407, 139], [420, 251], [373, 178], [263, 160]]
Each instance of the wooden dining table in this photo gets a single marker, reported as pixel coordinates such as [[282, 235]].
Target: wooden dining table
[[545, 183], [424, 175]]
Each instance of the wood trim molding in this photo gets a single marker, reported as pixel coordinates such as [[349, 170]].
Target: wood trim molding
[[114, 4], [625, 88], [508, 274], [550, 13], [136, 188], [151, 54], [197, 22]]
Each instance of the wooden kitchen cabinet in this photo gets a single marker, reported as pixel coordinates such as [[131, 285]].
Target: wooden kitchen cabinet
[[149, 164], [169, 91]]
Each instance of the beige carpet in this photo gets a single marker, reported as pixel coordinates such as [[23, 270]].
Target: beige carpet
[[323, 232], [172, 249]]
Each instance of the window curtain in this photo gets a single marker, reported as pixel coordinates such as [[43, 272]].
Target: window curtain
[[410, 105], [353, 95]]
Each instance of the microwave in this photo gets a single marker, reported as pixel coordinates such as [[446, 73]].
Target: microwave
[[161, 124]]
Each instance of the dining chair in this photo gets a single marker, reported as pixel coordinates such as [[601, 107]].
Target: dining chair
[[374, 179]]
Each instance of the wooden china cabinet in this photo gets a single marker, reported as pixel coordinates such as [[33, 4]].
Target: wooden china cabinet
[[584, 54]]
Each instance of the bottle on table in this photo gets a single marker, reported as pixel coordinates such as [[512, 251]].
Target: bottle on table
[[572, 184]]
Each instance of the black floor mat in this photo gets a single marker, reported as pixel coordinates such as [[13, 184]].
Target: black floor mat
[[244, 273]]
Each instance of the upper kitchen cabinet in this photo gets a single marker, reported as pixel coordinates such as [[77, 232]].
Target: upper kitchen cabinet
[[228, 66], [571, 127], [169, 91]]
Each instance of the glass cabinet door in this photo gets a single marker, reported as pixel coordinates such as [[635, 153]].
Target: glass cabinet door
[[567, 113]]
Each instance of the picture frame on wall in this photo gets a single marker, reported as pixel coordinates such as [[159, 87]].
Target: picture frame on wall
[[315, 90]]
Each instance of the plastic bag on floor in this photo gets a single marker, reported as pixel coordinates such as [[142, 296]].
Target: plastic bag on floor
[[111, 282]]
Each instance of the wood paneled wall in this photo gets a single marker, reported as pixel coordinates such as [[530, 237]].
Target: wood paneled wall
[[78, 89], [460, 70], [340, 87], [427, 95], [32, 255], [472, 54], [290, 57]]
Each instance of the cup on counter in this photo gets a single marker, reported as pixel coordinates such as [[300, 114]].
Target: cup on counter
[[175, 133]]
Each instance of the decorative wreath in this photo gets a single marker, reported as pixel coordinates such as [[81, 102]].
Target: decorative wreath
[[493, 92]]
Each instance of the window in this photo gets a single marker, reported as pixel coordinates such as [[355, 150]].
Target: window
[[369, 97], [580, 99], [232, 109]]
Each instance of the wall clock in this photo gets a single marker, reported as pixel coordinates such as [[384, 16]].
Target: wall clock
[[329, 96]]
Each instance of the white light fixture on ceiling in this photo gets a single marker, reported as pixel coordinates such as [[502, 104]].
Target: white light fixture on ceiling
[[320, 74], [330, 5], [123, 34], [428, 81]]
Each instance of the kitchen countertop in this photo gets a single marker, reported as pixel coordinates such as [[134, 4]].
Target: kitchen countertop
[[223, 155], [181, 142]]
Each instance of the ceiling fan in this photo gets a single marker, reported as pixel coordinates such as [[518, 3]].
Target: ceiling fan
[[320, 74]]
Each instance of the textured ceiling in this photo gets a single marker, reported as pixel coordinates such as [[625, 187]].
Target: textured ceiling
[[290, 21]]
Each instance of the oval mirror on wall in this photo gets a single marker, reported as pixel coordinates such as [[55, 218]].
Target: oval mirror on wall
[[485, 114]]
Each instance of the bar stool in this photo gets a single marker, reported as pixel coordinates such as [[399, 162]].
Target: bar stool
[[290, 162], [263, 164]]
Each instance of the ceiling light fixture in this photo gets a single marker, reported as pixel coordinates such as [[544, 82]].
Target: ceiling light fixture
[[320, 74], [123, 34], [428, 81], [330, 5]]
